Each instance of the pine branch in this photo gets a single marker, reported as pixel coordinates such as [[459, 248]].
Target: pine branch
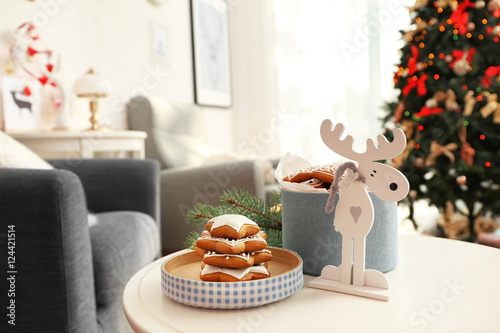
[[190, 242], [257, 210], [276, 197], [267, 216], [274, 237], [201, 213], [234, 202]]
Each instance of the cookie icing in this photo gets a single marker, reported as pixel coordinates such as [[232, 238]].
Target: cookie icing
[[244, 256], [234, 221], [255, 238], [237, 273]]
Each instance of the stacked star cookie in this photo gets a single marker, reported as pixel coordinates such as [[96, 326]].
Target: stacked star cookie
[[316, 176], [233, 249]]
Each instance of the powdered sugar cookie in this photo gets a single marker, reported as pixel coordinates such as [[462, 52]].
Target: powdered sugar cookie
[[232, 246], [240, 260], [223, 274], [232, 226]]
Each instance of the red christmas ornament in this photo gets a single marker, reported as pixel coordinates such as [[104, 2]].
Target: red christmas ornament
[[412, 62], [398, 113], [467, 153], [419, 83], [460, 17], [27, 91], [488, 74], [43, 80], [32, 51], [459, 55], [425, 111]]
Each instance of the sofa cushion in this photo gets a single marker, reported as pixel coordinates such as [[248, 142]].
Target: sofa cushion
[[13, 154], [180, 130], [177, 135], [122, 243]]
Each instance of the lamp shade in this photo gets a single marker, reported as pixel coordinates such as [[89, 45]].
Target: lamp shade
[[92, 84]]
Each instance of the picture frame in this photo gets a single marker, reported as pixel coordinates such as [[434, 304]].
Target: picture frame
[[158, 44], [211, 54], [21, 104]]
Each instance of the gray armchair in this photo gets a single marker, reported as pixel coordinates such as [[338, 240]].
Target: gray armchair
[[71, 270], [177, 139]]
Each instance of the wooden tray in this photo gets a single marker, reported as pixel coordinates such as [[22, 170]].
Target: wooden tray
[[181, 282]]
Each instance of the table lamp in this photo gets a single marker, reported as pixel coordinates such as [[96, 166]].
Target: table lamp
[[93, 86]]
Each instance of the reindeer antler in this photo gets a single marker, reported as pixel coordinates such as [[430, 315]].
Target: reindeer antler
[[386, 149], [332, 140], [344, 147]]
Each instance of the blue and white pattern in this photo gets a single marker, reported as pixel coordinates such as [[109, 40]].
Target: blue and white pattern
[[231, 295]]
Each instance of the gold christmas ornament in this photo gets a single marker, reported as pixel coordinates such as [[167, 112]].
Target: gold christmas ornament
[[493, 5], [491, 107], [454, 224], [485, 224], [438, 150], [450, 104], [419, 162], [461, 67], [470, 101], [404, 155], [9, 68], [445, 3], [418, 4], [480, 4]]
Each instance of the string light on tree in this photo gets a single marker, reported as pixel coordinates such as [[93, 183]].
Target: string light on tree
[[462, 180]]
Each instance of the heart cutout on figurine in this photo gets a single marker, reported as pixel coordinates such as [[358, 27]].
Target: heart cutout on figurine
[[355, 213]]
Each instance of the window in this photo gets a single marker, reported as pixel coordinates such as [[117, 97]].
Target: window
[[346, 56]]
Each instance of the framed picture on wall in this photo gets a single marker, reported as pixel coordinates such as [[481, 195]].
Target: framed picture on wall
[[21, 104], [211, 56], [158, 44]]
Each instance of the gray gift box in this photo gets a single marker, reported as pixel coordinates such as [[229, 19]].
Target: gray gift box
[[308, 230]]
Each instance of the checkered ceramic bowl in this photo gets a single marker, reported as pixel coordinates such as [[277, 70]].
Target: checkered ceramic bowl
[[180, 282]]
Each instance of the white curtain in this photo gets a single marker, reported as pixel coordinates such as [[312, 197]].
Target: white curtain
[[335, 59], [255, 113]]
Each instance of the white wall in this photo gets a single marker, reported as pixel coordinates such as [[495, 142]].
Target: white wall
[[112, 36]]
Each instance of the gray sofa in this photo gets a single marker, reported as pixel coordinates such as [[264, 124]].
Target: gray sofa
[[177, 139], [71, 270]]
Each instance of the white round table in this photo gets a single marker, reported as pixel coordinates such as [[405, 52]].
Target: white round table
[[444, 286]]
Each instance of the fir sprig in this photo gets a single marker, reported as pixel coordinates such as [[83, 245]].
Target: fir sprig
[[266, 215], [190, 242], [258, 210]]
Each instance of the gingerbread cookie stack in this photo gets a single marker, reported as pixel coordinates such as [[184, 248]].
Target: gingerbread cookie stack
[[316, 176], [233, 249]]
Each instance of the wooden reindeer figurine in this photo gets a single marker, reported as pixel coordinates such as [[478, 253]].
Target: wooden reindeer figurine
[[354, 213]]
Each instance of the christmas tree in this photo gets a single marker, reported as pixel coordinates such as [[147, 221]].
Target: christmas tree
[[449, 81]]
